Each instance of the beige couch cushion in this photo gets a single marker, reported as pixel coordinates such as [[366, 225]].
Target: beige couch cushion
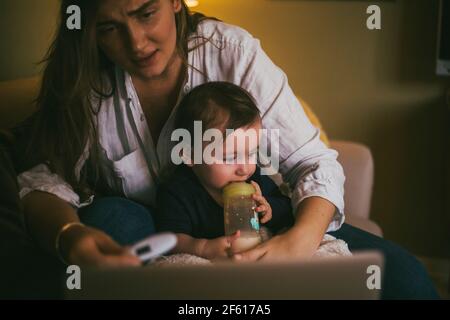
[[357, 161]]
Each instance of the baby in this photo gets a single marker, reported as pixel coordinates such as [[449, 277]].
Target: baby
[[190, 201]]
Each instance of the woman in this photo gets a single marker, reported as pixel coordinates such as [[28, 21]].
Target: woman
[[105, 117]]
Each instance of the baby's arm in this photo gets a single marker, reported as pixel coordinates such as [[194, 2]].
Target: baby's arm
[[206, 248], [188, 244]]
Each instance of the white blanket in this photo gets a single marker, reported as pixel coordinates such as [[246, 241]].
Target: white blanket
[[329, 247]]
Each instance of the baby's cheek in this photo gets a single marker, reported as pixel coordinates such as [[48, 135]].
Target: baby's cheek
[[225, 174], [216, 176]]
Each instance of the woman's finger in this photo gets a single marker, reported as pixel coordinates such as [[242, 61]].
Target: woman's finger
[[233, 237], [109, 253], [251, 255], [123, 260], [113, 255]]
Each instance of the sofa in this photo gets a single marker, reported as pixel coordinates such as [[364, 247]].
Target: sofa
[[16, 103]]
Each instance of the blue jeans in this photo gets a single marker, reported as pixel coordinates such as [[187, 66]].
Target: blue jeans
[[404, 276], [125, 221]]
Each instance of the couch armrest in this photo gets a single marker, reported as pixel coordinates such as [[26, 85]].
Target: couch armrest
[[357, 161]]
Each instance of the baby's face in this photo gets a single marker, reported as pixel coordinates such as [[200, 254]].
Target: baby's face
[[216, 176]]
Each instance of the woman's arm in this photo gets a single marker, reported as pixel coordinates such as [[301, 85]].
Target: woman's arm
[[302, 240], [49, 206], [305, 162], [46, 215]]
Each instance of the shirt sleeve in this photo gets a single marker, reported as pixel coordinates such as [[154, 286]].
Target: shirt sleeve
[[305, 162], [40, 178]]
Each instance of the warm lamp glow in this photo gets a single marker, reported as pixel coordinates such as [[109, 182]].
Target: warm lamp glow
[[191, 3]]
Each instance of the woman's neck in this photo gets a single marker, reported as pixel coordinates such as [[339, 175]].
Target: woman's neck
[[166, 84], [159, 96]]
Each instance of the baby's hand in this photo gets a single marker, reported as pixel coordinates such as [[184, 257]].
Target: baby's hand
[[219, 248], [263, 207]]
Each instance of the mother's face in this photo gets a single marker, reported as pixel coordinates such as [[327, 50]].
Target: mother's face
[[138, 35]]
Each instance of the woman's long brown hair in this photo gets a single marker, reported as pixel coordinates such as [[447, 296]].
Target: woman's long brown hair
[[77, 74]]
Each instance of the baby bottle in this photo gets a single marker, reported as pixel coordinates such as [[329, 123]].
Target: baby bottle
[[240, 214]]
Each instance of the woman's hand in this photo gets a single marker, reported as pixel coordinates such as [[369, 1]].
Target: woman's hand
[[263, 206], [281, 247], [85, 246], [218, 248], [299, 242]]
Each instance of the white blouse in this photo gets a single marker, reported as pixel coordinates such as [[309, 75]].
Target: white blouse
[[131, 160]]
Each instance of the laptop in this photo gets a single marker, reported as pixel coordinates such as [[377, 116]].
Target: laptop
[[356, 277]]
